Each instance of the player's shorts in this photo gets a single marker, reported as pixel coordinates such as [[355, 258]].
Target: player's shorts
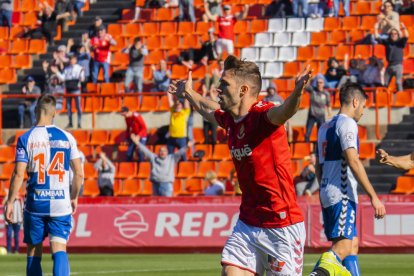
[[340, 220], [37, 228], [278, 251], [223, 44]]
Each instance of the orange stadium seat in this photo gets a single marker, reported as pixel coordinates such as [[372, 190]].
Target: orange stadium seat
[[109, 88], [362, 133], [117, 187], [90, 188], [22, 61], [337, 37], [179, 71], [132, 102], [92, 87], [300, 150], [131, 187], [6, 154], [405, 184], [146, 188], [147, 73], [7, 171], [18, 46], [150, 28], [408, 20], [81, 136], [366, 150], [355, 36], [117, 137], [199, 72], [198, 135], [349, 23], [207, 149], [5, 61], [153, 42], [324, 53], [144, 170], [332, 23], [126, 170], [244, 40], [361, 8], [204, 167], [16, 31], [132, 30], [362, 51], [319, 38], [4, 33], [298, 134], [368, 22], [241, 27], [168, 28], [343, 50], [404, 99], [186, 169], [194, 186], [99, 137], [111, 104], [305, 53], [89, 171], [258, 26], [120, 59], [87, 151], [29, 19], [189, 41], [171, 42], [185, 28], [221, 152], [164, 14], [92, 104], [408, 66], [149, 104], [115, 29], [8, 75], [28, 6], [202, 27], [291, 69], [224, 169]]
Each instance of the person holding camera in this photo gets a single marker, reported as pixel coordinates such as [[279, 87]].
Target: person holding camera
[[135, 72], [72, 76]]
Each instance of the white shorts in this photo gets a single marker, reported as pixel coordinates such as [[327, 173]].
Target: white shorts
[[278, 251], [225, 45]]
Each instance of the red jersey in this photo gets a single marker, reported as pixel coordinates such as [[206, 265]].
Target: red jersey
[[101, 48], [136, 125], [226, 26], [261, 156]]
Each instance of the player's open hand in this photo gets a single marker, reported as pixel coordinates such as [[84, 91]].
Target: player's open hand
[[8, 211], [303, 78], [382, 156], [378, 207], [180, 87]]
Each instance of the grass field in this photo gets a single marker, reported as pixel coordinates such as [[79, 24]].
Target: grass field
[[188, 264]]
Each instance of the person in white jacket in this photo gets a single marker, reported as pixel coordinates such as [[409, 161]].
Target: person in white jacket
[[72, 76]]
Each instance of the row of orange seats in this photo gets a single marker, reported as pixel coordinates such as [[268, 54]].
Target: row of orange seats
[[16, 61], [23, 46], [359, 22], [405, 184]]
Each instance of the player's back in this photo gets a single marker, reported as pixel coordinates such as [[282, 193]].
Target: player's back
[[337, 180], [47, 152]]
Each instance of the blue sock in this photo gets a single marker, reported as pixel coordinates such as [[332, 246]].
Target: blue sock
[[60, 264], [336, 256], [33, 267], [351, 263]]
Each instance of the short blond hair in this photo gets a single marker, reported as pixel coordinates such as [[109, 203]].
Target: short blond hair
[[211, 175]]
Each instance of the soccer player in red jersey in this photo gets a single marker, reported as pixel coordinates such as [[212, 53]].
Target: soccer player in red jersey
[[270, 234]]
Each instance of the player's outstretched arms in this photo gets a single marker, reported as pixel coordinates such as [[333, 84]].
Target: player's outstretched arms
[[405, 162], [278, 115], [16, 182], [184, 89], [358, 170], [77, 182]]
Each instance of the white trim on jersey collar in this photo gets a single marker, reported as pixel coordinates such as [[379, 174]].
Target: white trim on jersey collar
[[240, 119]]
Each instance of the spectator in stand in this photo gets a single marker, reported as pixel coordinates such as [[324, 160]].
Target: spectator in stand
[[47, 18], [334, 73], [272, 95], [72, 76], [100, 46], [106, 175], [155, 4], [387, 20], [180, 112], [64, 10], [77, 7], [161, 77], [162, 167], [394, 53], [210, 129], [206, 53], [6, 12], [135, 72], [407, 7], [309, 183], [57, 89], [214, 7], [372, 75], [320, 104], [215, 186], [84, 59], [189, 6], [13, 229], [304, 8], [60, 58], [135, 125], [29, 104], [279, 9], [44, 77], [345, 4], [398, 4], [93, 30], [225, 41]]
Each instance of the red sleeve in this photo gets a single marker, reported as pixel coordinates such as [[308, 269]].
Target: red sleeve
[[142, 128], [221, 116]]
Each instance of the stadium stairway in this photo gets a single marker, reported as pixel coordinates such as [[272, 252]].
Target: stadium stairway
[[399, 140]]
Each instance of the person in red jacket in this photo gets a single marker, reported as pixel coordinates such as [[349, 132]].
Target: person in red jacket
[[135, 125]]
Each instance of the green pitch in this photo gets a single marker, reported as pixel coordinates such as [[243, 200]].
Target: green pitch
[[187, 264]]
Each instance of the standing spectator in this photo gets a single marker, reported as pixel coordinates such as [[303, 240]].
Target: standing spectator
[[394, 53], [77, 7], [162, 77], [72, 76], [106, 175], [47, 18], [178, 124], [387, 20], [6, 12], [279, 9], [304, 6], [225, 41], [372, 75], [29, 88], [215, 186], [64, 10], [214, 7], [60, 59], [209, 128], [334, 73], [84, 60], [135, 71], [309, 183], [57, 89], [100, 45], [189, 5], [398, 4], [272, 96], [135, 125], [13, 229], [345, 4], [162, 167], [320, 104], [93, 29]]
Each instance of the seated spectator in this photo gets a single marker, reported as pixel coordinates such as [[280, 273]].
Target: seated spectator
[[6, 12], [278, 9], [60, 58], [189, 14], [64, 10], [372, 75], [57, 89], [209, 128], [334, 73], [100, 46], [29, 104], [77, 7], [309, 182], [95, 27], [394, 53], [161, 77], [135, 71], [135, 125], [206, 53], [214, 6], [162, 173], [272, 95], [215, 187], [106, 175]]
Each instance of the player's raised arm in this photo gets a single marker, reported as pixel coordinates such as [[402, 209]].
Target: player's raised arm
[[16, 182], [405, 162], [278, 115], [184, 89]]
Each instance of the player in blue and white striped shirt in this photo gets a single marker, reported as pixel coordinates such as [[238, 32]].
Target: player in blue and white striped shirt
[[339, 170], [46, 152]]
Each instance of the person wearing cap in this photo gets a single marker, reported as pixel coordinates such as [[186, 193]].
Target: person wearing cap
[[100, 46], [189, 4], [94, 28], [214, 6], [135, 125], [29, 104], [135, 72], [72, 76], [226, 24]]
